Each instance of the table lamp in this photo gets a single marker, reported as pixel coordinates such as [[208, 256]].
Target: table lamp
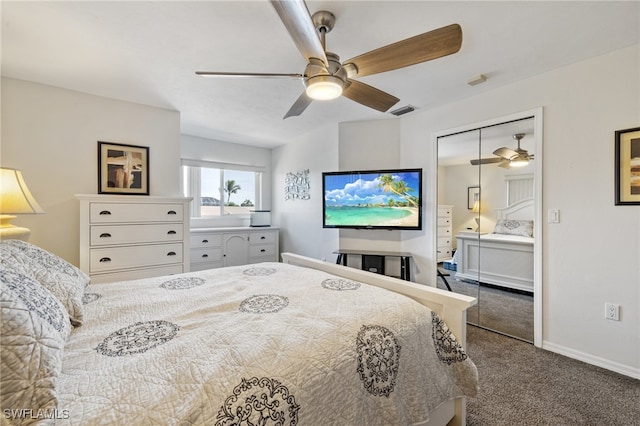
[[15, 198], [476, 209]]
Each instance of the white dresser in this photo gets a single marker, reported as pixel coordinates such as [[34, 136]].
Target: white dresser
[[123, 237], [217, 247], [445, 231]]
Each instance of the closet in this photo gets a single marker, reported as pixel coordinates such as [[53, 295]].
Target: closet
[[488, 182]]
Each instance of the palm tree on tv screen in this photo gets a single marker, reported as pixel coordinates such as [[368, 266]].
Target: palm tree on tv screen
[[398, 187]]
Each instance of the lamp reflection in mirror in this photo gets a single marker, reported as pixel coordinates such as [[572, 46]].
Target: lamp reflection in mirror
[[476, 209], [15, 198]]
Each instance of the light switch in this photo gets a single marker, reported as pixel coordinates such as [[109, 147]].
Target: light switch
[[553, 216]]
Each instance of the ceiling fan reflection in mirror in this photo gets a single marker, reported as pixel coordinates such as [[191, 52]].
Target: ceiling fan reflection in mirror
[[507, 157], [325, 77]]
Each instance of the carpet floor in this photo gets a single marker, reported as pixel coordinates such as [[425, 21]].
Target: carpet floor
[[523, 385]]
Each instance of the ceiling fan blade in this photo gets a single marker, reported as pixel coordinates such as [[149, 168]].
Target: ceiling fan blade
[[506, 153], [298, 106], [478, 161], [246, 74], [369, 96], [414, 50], [297, 20]]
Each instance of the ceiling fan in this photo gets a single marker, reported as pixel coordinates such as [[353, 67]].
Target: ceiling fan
[[325, 77], [507, 157]]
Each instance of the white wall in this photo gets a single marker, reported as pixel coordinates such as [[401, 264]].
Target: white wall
[[196, 148], [301, 220], [51, 134], [593, 255]]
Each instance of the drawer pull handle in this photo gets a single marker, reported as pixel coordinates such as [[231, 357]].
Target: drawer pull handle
[[205, 255], [172, 212], [205, 241], [262, 250], [105, 235], [105, 259], [105, 213], [171, 253], [263, 238], [172, 232]]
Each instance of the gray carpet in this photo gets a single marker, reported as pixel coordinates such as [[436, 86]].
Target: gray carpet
[[523, 385]]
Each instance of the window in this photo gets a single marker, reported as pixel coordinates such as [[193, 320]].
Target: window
[[220, 190]]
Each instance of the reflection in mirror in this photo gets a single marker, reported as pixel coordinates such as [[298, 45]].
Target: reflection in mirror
[[486, 181]]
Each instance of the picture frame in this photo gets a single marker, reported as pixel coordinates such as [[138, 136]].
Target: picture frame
[[473, 195], [123, 169], [627, 167]]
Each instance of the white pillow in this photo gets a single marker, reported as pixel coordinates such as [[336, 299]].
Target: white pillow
[[523, 228], [62, 279], [33, 329]]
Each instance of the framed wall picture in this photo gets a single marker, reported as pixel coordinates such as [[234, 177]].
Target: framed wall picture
[[473, 195], [627, 166], [123, 169]]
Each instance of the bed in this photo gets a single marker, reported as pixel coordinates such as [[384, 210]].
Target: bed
[[504, 257], [298, 342]]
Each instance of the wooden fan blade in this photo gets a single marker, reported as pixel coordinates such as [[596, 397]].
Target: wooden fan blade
[[369, 96], [298, 106], [477, 162], [297, 20], [414, 50], [506, 153], [246, 74]]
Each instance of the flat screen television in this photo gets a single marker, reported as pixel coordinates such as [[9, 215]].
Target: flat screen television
[[372, 199]]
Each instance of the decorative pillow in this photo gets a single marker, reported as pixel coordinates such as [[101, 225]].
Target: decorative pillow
[[33, 329], [523, 228], [61, 278]]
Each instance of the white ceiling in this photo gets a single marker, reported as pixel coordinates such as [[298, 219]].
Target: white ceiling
[[147, 52]]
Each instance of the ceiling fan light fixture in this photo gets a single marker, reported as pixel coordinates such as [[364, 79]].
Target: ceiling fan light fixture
[[519, 162], [324, 87]]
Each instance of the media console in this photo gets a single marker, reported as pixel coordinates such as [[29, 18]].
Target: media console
[[374, 261]]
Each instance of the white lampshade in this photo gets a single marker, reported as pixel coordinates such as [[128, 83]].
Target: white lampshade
[[324, 87], [15, 198]]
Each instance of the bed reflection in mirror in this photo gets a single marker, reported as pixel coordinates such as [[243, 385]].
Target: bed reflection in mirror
[[486, 208]]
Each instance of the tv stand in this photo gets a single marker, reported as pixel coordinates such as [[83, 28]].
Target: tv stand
[[374, 261]]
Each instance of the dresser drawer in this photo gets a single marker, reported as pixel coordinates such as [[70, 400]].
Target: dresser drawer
[[266, 237], [136, 274], [125, 234], [262, 250], [445, 253], [444, 221], [444, 242], [114, 258], [135, 212], [206, 240], [211, 254], [444, 212], [444, 231]]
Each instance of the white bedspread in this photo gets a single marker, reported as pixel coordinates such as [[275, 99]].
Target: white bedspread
[[257, 343]]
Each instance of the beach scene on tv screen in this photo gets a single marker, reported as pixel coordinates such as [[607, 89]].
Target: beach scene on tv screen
[[372, 199]]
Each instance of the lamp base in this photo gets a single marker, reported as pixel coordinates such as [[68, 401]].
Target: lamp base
[[477, 225], [12, 232]]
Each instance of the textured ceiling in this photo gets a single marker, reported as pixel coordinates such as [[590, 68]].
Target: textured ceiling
[[147, 52]]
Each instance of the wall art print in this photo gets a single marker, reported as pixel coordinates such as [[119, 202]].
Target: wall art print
[[296, 186], [123, 169], [627, 166]]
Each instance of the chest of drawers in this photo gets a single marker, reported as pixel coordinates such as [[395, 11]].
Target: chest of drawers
[[445, 228], [125, 238]]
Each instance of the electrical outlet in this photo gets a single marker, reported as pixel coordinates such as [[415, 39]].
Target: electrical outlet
[[612, 311]]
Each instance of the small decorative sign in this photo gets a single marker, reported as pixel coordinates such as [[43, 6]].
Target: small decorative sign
[[297, 186]]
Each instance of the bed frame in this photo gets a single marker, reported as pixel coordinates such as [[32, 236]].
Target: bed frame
[[500, 262], [451, 307]]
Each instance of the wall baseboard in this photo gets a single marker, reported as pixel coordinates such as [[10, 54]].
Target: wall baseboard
[[593, 360]]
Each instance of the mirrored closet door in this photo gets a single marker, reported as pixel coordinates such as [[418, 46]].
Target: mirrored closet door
[[486, 211]]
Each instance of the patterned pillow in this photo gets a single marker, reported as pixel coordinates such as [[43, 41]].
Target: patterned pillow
[[61, 278], [523, 228], [33, 329]]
